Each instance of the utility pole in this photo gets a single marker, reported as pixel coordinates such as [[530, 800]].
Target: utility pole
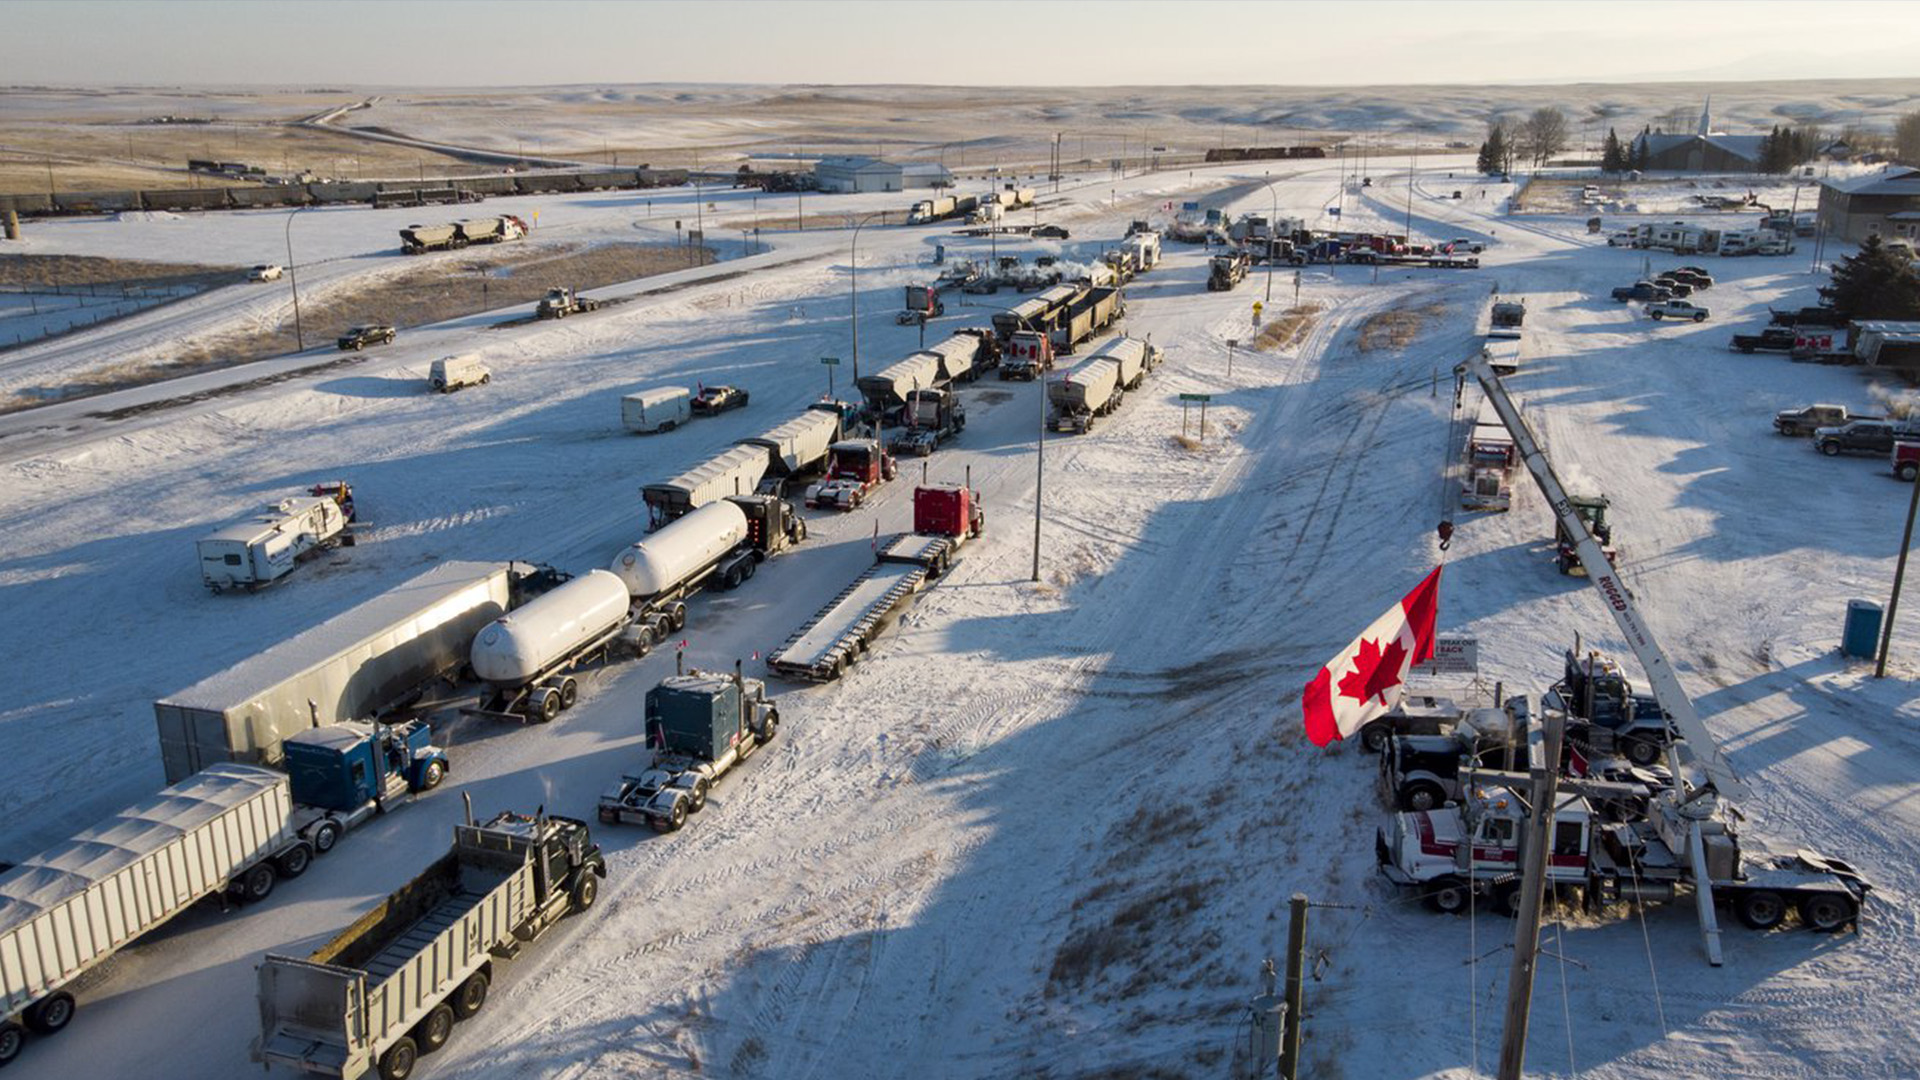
[[1533, 883], [1296, 986], [1899, 575], [1040, 466]]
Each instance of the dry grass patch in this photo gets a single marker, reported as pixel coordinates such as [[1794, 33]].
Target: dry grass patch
[[1288, 328], [1397, 328], [63, 271]]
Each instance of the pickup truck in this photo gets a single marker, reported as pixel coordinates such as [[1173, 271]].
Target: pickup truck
[[359, 337], [1808, 316], [1674, 285], [264, 272], [1676, 309], [718, 399], [1697, 278], [1810, 418], [1641, 290], [1860, 437], [1906, 460], [1771, 339]]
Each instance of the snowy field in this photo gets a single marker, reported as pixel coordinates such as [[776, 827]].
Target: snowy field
[[1106, 763]]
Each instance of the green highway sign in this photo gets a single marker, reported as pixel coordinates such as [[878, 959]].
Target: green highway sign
[[1196, 397], [830, 361]]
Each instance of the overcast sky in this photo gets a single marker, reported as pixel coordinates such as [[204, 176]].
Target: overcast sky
[[988, 42]]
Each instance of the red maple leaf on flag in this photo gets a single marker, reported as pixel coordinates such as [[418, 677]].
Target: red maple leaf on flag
[[1375, 671]]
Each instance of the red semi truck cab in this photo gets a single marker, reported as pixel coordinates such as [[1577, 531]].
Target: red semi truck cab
[[947, 510]]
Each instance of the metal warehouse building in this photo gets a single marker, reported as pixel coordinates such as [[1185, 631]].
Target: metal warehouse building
[[1883, 204], [855, 174]]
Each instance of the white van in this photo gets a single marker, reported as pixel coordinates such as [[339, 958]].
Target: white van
[[450, 373], [660, 409]]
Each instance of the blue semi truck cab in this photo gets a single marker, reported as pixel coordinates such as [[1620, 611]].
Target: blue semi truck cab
[[343, 774]]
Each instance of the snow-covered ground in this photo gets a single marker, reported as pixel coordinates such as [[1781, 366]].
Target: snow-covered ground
[[1046, 828]]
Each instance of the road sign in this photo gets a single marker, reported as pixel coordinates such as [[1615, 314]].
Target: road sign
[[1196, 397], [1234, 343], [1452, 656], [830, 361], [1257, 307]]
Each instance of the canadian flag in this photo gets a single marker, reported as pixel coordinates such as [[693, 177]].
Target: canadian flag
[[1369, 676]]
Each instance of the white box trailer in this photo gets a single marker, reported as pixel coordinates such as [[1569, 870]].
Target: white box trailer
[[74, 905], [264, 547], [357, 665], [734, 472], [800, 444], [661, 409]]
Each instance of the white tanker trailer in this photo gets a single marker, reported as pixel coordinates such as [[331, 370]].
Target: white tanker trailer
[[722, 542], [529, 656]]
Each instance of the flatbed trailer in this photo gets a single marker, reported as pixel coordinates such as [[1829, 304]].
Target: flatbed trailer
[[827, 644]]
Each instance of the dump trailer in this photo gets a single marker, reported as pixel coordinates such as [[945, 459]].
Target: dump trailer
[[722, 542], [944, 519], [415, 239], [67, 909], [491, 230], [1146, 249], [1135, 358], [1088, 391], [529, 657], [391, 986], [264, 547], [887, 390], [1026, 315], [799, 446], [958, 357], [1092, 312], [366, 662], [700, 724], [737, 471]]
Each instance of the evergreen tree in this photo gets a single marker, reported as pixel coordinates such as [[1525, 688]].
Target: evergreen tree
[[1771, 151], [1496, 156], [1877, 283], [1485, 163], [1613, 157], [1642, 152]]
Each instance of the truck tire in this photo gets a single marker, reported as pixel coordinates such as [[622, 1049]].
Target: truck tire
[[1642, 752], [731, 579], [697, 798], [257, 883], [799, 530], [1446, 895], [1373, 738], [1657, 316], [643, 641], [569, 692], [1908, 471], [51, 1014], [1506, 899], [1826, 912], [12, 1038], [675, 818], [398, 1062], [678, 615], [765, 735], [294, 861], [1761, 909], [1701, 317], [436, 772], [752, 567], [586, 889], [471, 997], [544, 706], [1830, 448], [325, 835], [433, 1032], [1422, 795], [485, 379]]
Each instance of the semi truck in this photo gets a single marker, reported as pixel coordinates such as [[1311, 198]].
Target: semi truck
[[1135, 357], [365, 663], [1506, 318], [1226, 270], [490, 230], [926, 211], [1088, 391], [699, 724], [1029, 355], [264, 547], [922, 303], [529, 659], [722, 542], [886, 390], [854, 468], [392, 985], [1421, 772], [931, 417], [737, 471], [1605, 715], [945, 518], [562, 301]]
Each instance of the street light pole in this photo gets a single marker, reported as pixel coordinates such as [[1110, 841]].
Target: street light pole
[[299, 338], [853, 283], [1273, 221]]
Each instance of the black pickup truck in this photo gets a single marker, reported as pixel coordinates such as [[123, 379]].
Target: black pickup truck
[[359, 337], [1771, 339], [1808, 316], [1861, 437]]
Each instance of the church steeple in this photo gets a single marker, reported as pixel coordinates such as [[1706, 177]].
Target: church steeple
[[1706, 118]]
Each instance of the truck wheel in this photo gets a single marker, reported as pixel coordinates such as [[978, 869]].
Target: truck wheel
[[731, 579], [545, 705], [749, 570], [325, 835], [50, 1014], [435, 1030], [1657, 316], [1373, 738], [1641, 752], [585, 891], [569, 692], [1702, 317], [471, 997], [697, 800], [799, 530], [1761, 909], [1831, 449], [1447, 895], [1908, 471], [12, 1038], [1826, 912], [436, 772], [1422, 795], [675, 818], [1506, 899], [772, 728], [294, 861], [678, 615], [643, 640], [257, 884], [398, 1062]]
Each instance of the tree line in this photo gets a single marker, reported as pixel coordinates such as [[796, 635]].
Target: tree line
[[1544, 133]]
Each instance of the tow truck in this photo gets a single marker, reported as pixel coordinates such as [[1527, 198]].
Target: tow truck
[[1689, 838]]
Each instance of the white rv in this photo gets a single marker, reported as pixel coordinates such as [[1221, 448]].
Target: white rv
[[263, 547]]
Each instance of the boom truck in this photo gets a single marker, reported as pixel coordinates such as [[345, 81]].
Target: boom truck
[[391, 986], [700, 724], [944, 519], [1688, 839]]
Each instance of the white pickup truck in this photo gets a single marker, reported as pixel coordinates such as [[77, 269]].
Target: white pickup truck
[[1676, 309]]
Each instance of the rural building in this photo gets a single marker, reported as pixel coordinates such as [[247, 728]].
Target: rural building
[[925, 174], [1884, 204], [1705, 150], [855, 174]]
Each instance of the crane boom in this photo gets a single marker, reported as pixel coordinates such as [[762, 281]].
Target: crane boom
[[1701, 749]]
